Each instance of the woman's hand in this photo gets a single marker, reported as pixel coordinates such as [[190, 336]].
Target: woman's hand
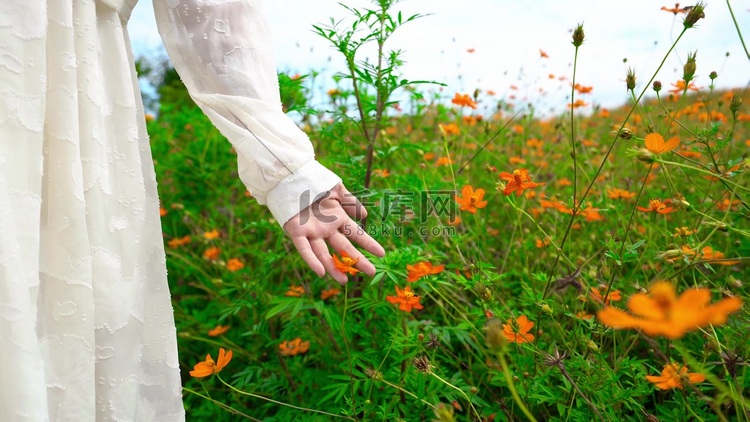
[[330, 221]]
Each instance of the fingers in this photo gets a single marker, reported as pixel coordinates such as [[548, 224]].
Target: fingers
[[320, 249], [350, 203], [340, 243], [360, 236], [307, 254]]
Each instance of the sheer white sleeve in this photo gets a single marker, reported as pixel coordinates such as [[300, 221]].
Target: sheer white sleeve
[[222, 50]]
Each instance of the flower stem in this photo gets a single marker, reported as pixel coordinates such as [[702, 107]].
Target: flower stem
[[244, 393], [512, 387]]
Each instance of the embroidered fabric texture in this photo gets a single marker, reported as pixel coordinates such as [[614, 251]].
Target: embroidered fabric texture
[[86, 325]]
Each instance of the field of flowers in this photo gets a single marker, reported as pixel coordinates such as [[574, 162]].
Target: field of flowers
[[587, 266]]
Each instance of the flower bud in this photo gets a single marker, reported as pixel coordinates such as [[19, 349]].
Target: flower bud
[[688, 70], [630, 79], [645, 155], [625, 133], [736, 101], [657, 86], [420, 337], [494, 337], [546, 309], [578, 35], [695, 14], [591, 345], [713, 75]]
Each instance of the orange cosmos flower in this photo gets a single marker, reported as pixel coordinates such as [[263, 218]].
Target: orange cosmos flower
[[381, 173], [345, 264], [294, 347], [162, 212], [616, 193], [543, 54], [655, 205], [470, 50], [442, 161], [674, 10], [329, 293], [709, 254], [213, 234], [563, 182], [662, 313], [235, 264], [449, 129], [596, 295], [464, 101], [471, 199], [673, 376], [405, 299], [680, 86], [656, 144], [209, 366], [295, 291], [583, 89], [422, 269], [578, 103], [517, 331], [428, 156], [517, 182], [212, 254], [218, 330], [179, 241]]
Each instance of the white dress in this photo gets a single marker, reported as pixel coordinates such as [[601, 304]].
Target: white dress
[[86, 325]]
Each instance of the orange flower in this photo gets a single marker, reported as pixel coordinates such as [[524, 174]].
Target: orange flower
[[329, 293], [578, 103], [583, 315], [428, 156], [345, 264], [442, 161], [381, 173], [680, 86], [471, 199], [179, 241], [212, 254], [583, 89], [235, 264], [209, 367], [543, 54], [449, 129], [295, 291], [673, 376], [162, 212], [422, 269], [517, 182], [563, 182], [218, 330], [708, 254], [518, 331], [596, 295], [684, 231], [656, 144], [405, 299], [616, 193], [662, 313], [539, 243], [674, 10], [464, 101], [294, 347], [657, 206], [213, 234]]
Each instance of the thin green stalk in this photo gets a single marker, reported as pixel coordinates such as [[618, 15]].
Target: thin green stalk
[[304, 409], [737, 26], [228, 408], [512, 388]]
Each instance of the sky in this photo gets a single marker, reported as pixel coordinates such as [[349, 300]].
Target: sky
[[506, 37]]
